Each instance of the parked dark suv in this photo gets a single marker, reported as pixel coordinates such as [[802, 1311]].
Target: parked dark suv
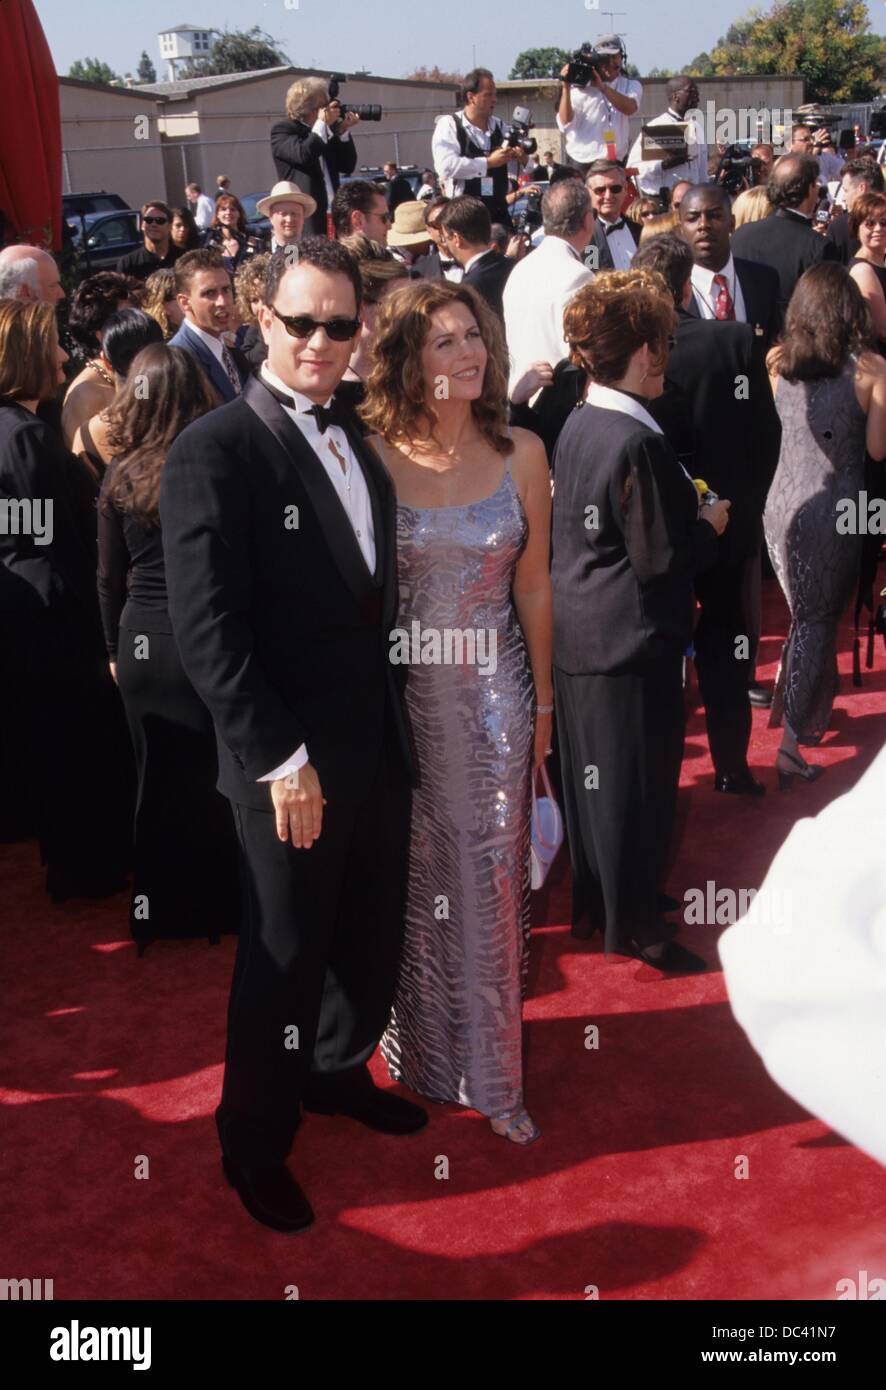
[[108, 236], [73, 204]]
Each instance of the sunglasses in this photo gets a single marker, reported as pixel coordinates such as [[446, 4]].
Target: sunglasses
[[303, 326], [608, 188], [155, 221], [879, 222]]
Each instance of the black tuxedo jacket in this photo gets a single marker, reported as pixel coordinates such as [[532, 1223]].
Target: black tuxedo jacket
[[837, 235], [282, 629], [489, 277], [760, 290], [622, 587], [601, 242], [728, 435], [297, 152], [787, 243]]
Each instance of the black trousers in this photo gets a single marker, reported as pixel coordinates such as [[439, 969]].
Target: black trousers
[[723, 676], [629, 729], [317, 960], [185, 880]]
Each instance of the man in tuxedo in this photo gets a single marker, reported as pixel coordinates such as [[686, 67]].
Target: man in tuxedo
[[859, 177], [279, 535], [722, 287], [615, 239], [313, 147], [786, 241], [466, 229], [204, 291], [719, 415], [399, 189], [438, 263]]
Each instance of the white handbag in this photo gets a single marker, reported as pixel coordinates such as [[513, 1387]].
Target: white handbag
[[547, 829]]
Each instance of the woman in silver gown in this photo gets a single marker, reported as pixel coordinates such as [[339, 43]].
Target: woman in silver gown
[[830, 393], [474, 627]]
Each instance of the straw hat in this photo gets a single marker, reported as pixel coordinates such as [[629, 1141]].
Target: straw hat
[[409, 228], [286, 193]]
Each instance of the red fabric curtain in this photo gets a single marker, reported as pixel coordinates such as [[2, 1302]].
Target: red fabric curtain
[[30, 129]]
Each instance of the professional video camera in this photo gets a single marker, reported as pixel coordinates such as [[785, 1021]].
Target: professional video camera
[[736, 165], [517, 135], [529, 218], [586, 61], [366, 111]]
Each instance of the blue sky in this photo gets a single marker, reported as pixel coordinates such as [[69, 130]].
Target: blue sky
[[391, 39]]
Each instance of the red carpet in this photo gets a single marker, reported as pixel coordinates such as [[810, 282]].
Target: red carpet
[[632, 1188]]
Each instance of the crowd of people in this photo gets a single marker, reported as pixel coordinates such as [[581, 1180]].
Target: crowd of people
[[332, 539]]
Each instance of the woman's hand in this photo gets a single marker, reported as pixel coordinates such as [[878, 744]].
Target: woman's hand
[[717, 515], [544, 727], [533, 379]]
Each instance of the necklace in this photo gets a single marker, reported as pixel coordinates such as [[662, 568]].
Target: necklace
[[100, 371]]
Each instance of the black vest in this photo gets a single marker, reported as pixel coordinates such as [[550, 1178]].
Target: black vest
[[497, 203]]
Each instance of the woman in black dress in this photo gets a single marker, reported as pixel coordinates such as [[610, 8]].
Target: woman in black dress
[[230, 234], [867, 221], [185, 881], [629, 535], [64, 736]]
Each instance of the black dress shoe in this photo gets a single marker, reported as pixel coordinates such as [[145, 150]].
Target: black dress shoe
[[665, 903], [376, 1109], [759, 696], [670, 958], [741, 785], [270, 1195]]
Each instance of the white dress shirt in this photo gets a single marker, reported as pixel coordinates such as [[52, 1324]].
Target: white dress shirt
[[608, 398], [204, 211], [705, 292], [652, 177], [535, 296], [325, 133], [454, 169], [351, 489], [593, 115], [622, 247]]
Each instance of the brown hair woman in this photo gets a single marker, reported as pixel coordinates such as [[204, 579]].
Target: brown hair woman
[[474, 628]]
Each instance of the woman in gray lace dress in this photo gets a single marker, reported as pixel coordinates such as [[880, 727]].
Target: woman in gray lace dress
[[474, 628], [830, 392]]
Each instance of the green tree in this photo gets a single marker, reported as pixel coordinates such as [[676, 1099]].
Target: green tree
[[539, 62], [237, 51], [146, 71], [92, 70], [826, 41], [701, 66]]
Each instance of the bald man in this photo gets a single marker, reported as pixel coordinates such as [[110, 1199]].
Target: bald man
[[689, 164], [28, 272], [786, 241]]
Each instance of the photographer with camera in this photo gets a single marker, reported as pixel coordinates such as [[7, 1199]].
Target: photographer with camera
[[691, 160], [313, 147], [470, 149], [596, 103]]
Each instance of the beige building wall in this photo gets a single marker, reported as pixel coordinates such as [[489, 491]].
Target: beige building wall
[[110, 141]]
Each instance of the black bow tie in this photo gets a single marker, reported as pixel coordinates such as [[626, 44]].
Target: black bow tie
[[325, 416], [448, 265], [611, 227]]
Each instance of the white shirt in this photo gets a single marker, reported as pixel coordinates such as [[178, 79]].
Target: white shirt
[[593, 115], [325, 133], [535, 296], [452, 167], [622, 246], [204, 211], [352, 492], [652, 176], [704, 291], [607, 398]]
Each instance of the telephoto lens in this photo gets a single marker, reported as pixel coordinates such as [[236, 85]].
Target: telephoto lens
[[365, 112]]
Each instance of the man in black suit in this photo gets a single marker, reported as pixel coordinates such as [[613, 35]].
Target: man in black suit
[[860, 176], [313, 147], [466, 229], [723, 287], [718, 413], [438, 263], [399, 189], [786, 240], [615, 238], [279, 536]]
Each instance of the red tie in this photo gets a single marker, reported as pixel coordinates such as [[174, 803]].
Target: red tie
[[724, 307]]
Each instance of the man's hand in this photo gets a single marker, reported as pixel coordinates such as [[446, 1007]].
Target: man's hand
[[517, 248], [298, 807], [539, 375], [680, 156], [717, 515], [348, 121], [502, 155]]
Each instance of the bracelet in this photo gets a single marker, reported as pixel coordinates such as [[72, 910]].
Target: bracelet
[[544, 709]]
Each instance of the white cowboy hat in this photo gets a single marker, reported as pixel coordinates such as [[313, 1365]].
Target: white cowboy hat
[[286, 193]]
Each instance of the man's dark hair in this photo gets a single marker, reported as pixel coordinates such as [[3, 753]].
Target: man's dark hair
[[473, 79], [713, 192], [470, 218], [432, 204], [670, 255], [678, 82], [358, 196], [317, 251], [188, 265], [791, 179], [867, 171], [124, 336], [499, 236], [565, 171]]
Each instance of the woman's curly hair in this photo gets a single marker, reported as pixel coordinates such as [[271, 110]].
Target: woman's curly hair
[[396, 405], [611, 318]]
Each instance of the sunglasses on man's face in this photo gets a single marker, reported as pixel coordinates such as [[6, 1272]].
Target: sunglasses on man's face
[[303, 326], [608, 188], [155, 221]]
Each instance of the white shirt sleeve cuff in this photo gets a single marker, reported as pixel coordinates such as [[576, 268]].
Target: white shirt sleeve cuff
[[298, 759]]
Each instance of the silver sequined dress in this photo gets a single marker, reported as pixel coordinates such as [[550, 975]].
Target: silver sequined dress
[[455, 1032]]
